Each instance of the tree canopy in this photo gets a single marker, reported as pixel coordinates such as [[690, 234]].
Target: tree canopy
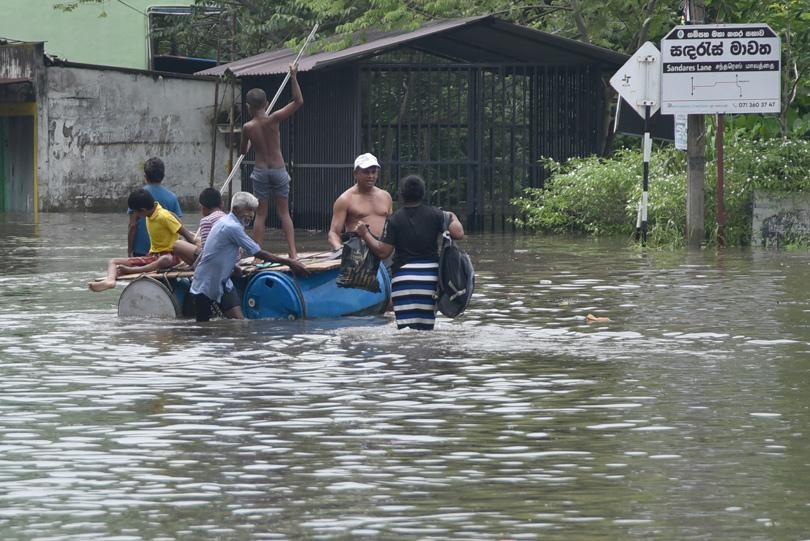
[[231, 29]]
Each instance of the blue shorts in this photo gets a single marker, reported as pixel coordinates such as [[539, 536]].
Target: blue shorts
[[269, 183]]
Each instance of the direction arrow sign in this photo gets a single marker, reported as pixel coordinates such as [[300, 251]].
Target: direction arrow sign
[[721, 68], [639, 80]]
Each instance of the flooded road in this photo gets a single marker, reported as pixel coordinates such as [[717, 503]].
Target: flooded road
[[687, 416]]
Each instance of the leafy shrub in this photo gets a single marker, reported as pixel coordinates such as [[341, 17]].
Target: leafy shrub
[[600, 197]]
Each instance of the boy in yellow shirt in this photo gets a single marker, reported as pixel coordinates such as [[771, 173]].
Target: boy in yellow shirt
[[163, 228]]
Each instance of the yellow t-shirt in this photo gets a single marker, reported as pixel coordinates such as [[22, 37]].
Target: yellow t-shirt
[[162, 226]]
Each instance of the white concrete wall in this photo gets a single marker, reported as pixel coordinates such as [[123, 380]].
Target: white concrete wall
[[98, 127], [780, 218]]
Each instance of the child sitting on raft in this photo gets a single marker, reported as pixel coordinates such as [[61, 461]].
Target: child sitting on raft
[[163, 228], [211, 209]]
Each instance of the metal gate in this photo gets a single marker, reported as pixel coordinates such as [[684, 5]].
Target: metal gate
[[476, 133]]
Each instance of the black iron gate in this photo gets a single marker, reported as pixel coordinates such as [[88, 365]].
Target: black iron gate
[[476, 133]]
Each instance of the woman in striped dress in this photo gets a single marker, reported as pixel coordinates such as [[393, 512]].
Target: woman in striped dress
[[412, 233]]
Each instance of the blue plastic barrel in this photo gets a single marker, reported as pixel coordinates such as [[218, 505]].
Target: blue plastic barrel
[[278, 295], [323, 298], [272, 295]]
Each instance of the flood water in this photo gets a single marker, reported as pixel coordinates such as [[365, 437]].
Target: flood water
[[686, 416]]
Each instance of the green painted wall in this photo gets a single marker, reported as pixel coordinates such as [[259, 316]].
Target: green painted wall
[[110, 33]]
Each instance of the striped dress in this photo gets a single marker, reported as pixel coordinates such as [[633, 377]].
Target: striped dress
[[412, 289]]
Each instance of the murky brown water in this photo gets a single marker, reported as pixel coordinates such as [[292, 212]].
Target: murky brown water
[[685, 417]]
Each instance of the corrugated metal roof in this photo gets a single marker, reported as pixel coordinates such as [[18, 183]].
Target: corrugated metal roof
[[472, 39]]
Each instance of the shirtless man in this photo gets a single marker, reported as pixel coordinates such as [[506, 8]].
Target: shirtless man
[[269, 176], [363, 201]]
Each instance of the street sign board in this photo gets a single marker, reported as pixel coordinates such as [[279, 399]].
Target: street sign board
[[720, 68], [638, 81]]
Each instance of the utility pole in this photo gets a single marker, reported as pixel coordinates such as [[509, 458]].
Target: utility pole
[[695, 13]]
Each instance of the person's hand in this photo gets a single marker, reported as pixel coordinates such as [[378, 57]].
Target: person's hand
[[361, 228], [298, 268], [293, 70]]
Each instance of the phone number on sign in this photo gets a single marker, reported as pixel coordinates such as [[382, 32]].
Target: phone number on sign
[[754, 104]]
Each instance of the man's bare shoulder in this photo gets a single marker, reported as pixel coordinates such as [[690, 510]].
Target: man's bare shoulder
[[349, 193], [344, 199]]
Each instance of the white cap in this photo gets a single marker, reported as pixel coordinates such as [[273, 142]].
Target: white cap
[[364, 161]]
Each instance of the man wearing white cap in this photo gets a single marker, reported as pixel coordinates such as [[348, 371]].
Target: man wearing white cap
[[363, 201]]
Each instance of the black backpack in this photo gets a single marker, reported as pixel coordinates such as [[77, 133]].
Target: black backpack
[[456, 276]]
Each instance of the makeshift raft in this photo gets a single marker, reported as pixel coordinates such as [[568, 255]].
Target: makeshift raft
[[268, 291]]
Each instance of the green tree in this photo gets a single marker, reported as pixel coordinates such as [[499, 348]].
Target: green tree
[[791, 20], [242, 28]]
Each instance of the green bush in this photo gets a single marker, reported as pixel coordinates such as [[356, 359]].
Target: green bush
[[600, 197]]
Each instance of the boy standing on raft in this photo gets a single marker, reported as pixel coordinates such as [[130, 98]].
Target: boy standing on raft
[[270, 178]]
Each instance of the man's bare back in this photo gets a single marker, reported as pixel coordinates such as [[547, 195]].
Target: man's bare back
[[263, 133]]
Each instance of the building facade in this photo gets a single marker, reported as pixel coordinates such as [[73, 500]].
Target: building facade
[[108, 33], [75, 136]]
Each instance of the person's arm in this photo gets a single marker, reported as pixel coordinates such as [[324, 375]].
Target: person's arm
[[244, 143], [297, 98], [455, 228], [380, 248], [296, 266], [186, 234], [339, 211], [133, 227]]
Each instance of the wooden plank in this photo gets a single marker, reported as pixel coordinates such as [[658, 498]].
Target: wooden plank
[[315, 262]]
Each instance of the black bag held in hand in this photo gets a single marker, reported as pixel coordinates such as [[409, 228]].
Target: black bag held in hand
[[358, 265], [456, 276]]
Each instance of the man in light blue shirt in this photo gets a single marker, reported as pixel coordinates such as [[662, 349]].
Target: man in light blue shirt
[[212, 283], [138, 236]]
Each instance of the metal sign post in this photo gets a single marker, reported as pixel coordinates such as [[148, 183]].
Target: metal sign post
[[639, 83]]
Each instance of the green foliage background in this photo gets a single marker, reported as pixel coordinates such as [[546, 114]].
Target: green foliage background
[[599, 197], [232, 29]]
